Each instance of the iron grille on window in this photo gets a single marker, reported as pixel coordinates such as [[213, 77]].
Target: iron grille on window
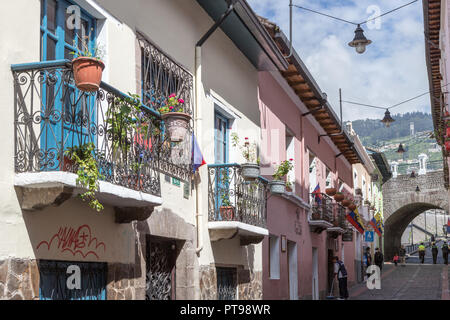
[[161, 77]]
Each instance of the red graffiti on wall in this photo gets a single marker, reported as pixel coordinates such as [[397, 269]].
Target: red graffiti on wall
[[75, 241]]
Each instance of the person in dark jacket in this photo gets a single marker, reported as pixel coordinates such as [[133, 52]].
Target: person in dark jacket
[[367, 260], [445, 252], [434, 252], [402, 255], [341, 274], [379, 258]]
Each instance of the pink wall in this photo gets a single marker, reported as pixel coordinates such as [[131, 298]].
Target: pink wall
[[278, 111]]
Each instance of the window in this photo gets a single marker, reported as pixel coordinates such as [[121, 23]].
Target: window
[[57, 39], [274, 257], [290, 154], [312, 172], [226, 283], [220, 138], [54, 276], [329, 181]]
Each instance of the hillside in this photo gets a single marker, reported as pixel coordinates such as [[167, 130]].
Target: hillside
[[373, 134]]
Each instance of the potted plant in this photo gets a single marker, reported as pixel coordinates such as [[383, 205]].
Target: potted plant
[[175, 118], [339, 196], [87, 66], [352, 207], [346, 202], [315, 215], [330, 191], [88, 173], [250, 169], [278, 185], [226, 209]]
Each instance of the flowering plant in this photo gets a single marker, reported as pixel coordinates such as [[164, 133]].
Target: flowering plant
[[249, 150], [174, 104], [283, 169]]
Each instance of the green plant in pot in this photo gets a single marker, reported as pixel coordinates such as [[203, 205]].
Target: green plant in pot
[[88, 173], [278, 184], [226, 208], [250, 169]]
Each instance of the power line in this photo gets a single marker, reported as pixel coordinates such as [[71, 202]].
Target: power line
[[351, 22]]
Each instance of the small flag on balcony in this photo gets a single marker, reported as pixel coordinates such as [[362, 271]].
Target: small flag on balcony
[[317, 195], [353, 219], [197, 156]]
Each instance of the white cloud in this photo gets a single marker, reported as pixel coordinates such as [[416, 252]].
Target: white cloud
[[391, 70]]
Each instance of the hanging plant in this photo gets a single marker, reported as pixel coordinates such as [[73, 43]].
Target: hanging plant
[[176, 118], [330, 191], [88, 174], [339, 196], [278, 185], [346, 202], [87, 66]]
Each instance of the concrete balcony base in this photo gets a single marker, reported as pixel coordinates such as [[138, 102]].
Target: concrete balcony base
[[317, 226], [43, 189], [248, 234], [335, 231]]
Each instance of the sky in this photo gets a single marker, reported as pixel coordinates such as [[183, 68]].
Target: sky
[[392, 69]]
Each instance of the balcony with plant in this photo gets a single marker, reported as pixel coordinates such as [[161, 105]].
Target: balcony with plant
[[104, 146], [236, 205]]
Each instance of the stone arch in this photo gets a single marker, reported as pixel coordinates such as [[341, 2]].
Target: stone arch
[[396, 224], [401, 204]]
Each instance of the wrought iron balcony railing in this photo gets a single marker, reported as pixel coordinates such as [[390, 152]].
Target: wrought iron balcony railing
[[231, 198], [53, 116], [341, 216], [322, 207]]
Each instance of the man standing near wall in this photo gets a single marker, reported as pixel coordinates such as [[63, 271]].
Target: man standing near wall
[[341, 273]]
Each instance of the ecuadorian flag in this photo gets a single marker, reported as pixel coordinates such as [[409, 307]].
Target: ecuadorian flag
[[375, 224], [352, 217]]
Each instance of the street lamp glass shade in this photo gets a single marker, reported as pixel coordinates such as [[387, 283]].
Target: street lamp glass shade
[[387, 120], [413, 174], [400, 149], [417, 189], [360, 42]]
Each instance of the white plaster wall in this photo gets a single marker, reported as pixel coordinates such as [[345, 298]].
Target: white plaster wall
[[19, 34], [175, 26]]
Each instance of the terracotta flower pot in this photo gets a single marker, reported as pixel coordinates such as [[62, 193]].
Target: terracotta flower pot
[[346, 202], [227, 213], [330, 191], [352, 207], [87, 73], [177, 125], [339, 197], [316, 216]]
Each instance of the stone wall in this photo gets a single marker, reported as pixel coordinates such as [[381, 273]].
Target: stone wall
[[249, 283], [19, 279]]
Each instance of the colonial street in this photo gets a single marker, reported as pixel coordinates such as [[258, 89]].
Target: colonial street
[[412, 282]]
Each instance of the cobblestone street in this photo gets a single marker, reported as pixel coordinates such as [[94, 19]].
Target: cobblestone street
[[412, 282]]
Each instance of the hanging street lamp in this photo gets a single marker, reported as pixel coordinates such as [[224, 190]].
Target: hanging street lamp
[[413, 174], [417, 189], [387, 120], [360, 42]]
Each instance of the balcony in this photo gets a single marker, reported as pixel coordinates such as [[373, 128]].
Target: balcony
[[236, 207], [322, 212], [52, 116], [340, 224]]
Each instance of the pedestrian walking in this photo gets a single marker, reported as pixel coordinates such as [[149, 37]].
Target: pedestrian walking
[[434, 252], [367, 261], [395, 259], [402, 255], [445, 252], [422, 253], [379, 258], [341, 273]]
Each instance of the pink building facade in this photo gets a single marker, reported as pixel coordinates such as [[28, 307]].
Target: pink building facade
[[293, 136]]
